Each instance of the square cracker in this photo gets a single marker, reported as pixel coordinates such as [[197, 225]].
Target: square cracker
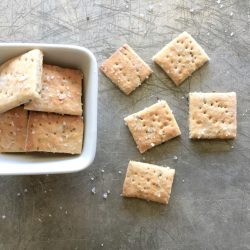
[[152, 126], [212, 115], [181, 57], [61, 91], [149, 182], [20, 79], [126, 69], [13, 129], [54, 133]]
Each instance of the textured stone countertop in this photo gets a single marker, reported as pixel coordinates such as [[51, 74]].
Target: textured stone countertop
[[210, 203]]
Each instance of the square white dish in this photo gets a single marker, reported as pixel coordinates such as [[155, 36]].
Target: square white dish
[[42, 163]]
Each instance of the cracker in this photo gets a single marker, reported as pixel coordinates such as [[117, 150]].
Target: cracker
[[212, 115], [152, 126], [126, 69], [20, 79], [61, 91], [13, 129], [54, 133], [149, 182], [181, 57]]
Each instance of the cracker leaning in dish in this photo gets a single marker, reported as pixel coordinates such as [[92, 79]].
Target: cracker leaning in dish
[[48, 91], [20, 79]]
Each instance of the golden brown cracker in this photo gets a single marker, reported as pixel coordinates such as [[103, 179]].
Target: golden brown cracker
[[126, 69], [49, 132], [13, 128], [181, 57], [212, 115], [153, 126], [148, 181], [61, 91]]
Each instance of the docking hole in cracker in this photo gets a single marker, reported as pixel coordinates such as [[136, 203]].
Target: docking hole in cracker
[[149, 182], [152, 126]]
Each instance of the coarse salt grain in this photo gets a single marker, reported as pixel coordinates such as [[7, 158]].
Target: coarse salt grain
[[61, 96], [150, 7], [93, 190], [22, 78]]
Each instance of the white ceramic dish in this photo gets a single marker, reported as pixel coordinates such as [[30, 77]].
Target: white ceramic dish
[[66, 56]]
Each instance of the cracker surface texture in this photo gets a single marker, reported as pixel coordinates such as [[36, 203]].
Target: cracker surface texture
[[61, 91], [126, 69], [212, 115], [181, 57], [20, 79], [13, 129], [148, 181], [48, 132], [152, 126]]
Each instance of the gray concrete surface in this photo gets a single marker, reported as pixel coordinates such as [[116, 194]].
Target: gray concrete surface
[[210, 203]]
